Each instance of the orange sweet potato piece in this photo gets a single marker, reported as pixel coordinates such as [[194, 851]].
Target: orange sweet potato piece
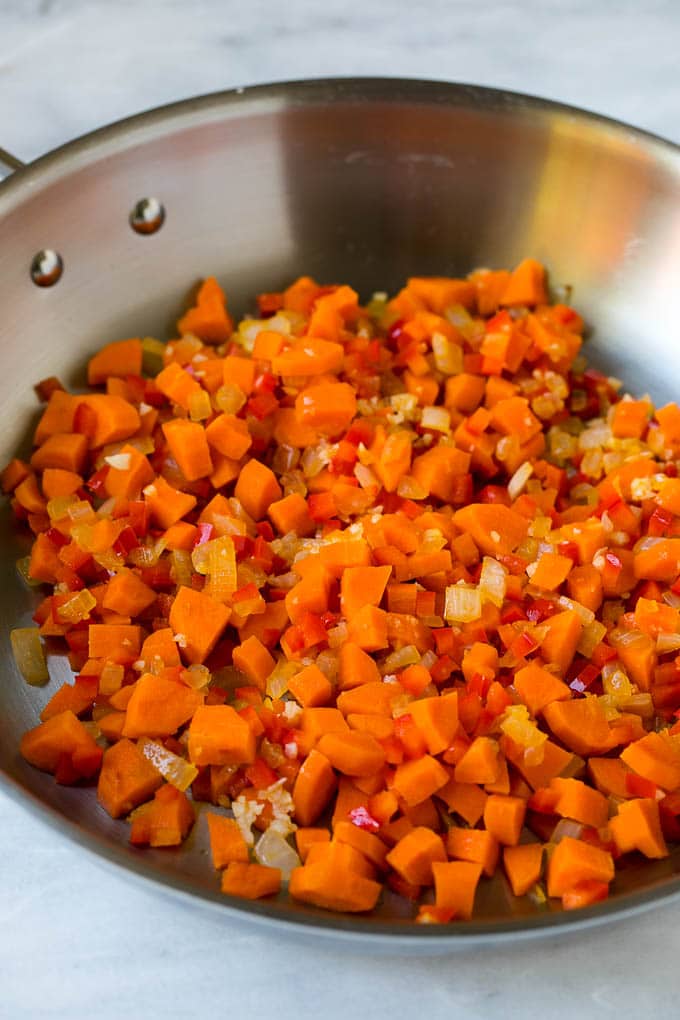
[[118, 359], [256, 488], [537, 687], [564, 633], [355, 667], [362, 586], [523, 865], [333, 888], [310, 687], [354, 753], [189, 446], [127, 594], [158, 707], [218, 735], [250, 881], [504, 818], [126, 483], [160, 645], [253, 659], [437, 720], [62, 742], [208, 319], [226, 841], [326, 407], [105, 418], [573, 861], [495, 528], [455, 884], [65, 451], [581, 725], [77, 697], [166, 504], [477, 845], [200, 621], [414, 855], [291, 514], [165, 821], [637, 827], [418, 779], [305, 837], [315, 785], [126, 780], [526, 285], [580, 802], [656, 759]]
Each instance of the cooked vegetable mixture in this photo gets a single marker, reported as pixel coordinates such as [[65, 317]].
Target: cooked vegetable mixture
[[395, 588]]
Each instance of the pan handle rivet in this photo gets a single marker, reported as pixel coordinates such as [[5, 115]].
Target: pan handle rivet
[[46, 267], [147, 216]]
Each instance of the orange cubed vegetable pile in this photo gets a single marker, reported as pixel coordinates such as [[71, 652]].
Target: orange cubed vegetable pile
[[393, 588]]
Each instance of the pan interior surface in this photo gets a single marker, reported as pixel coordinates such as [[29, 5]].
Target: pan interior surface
[[357, 181]]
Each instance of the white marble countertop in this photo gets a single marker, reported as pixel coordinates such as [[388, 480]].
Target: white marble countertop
[[78, 941]]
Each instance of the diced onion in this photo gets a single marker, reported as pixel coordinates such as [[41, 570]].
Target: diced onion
[[176, 770], [78, 607], [463, 604], [29, 655], [277, 681], [111, 678], [200, 406], [492, 581], [448, 355], [591, 636], [119, 461], [517, 725], [437, 418], [667, 643], [23, 567], [520, 479], [196, 676], [274, 851], [566, 828], [181, 567], [403, 657], [587, 616]]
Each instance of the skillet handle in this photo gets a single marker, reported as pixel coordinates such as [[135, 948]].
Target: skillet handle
[[8, 163]]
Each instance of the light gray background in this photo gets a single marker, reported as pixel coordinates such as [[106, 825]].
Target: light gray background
[[78, 941]]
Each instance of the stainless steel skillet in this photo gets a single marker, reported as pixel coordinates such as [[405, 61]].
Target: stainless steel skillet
[[365, 181]]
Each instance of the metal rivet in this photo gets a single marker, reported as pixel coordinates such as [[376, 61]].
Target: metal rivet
[[147, 216], [46, 267]]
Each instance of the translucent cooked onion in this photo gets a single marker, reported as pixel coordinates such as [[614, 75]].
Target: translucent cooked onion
[[23, 566], [517, 724], [222, 574], [586, 615], [119, 461], [492, 581], [462, 604], [29, 655], [229, 399], [181, 567], [520, 479], [591, 636], [277, 681], [78, 607], [174, 769], [274, 851], [448, 355], [111, 678], [437, 418], [407, 656], [566, 828]]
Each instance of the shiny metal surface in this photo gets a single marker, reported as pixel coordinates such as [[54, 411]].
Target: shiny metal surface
[[364, 181], [9, 163]]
